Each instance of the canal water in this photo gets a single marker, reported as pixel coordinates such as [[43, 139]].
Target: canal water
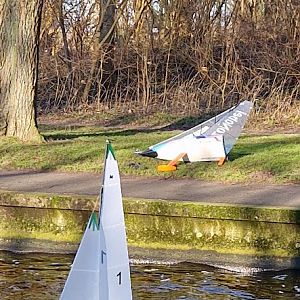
[[41, 276]]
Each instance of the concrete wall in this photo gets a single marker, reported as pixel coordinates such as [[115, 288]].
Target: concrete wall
[[223, 235]]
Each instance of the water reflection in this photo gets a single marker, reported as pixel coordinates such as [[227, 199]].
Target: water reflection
[[32, 276]]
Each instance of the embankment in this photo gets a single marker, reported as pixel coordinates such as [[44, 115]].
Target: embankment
[[221, 235]]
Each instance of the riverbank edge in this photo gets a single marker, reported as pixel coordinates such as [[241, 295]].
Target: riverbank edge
[[216, 234]]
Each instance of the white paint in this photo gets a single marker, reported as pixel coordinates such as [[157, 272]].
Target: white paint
[[100, 269], [208, 141], [229, 122]]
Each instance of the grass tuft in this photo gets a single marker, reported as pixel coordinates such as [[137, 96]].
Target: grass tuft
[[269, 159]]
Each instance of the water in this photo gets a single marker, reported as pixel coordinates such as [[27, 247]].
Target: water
[[41, 276]]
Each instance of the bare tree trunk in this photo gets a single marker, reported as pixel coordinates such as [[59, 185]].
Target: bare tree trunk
[[108, 11], [19, 39], [65, 42], [107, 22]]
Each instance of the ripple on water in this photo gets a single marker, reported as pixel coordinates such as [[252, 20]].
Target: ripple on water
[[35, 277]]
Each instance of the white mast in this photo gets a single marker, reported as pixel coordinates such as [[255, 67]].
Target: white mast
[[100, 270], [114, 263]]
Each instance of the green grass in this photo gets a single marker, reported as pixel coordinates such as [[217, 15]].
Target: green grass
[[268, 159]]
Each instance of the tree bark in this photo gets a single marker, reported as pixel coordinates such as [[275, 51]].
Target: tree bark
[[107, 19], [19, 40], [65, 39], [104, 40]]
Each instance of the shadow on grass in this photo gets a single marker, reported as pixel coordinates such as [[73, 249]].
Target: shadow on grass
[[269, 143], [50, 157], [237, 155], [107, 134], [191, 121], [181, 124]]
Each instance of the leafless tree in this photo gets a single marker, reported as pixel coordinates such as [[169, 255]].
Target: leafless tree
[[19, 39], [181, 55]]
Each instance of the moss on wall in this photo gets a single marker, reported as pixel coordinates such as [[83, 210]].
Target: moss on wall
[[157, 224], [156, 207], [49, 224], [224, 236], [212, 211]]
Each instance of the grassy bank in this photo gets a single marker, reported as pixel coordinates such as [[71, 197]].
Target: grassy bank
[[270, 159]]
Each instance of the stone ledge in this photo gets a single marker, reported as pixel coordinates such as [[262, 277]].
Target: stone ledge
[[156, 207], [169, 229]]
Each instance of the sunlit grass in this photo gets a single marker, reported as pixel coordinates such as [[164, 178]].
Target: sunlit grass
[[269, 159]]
